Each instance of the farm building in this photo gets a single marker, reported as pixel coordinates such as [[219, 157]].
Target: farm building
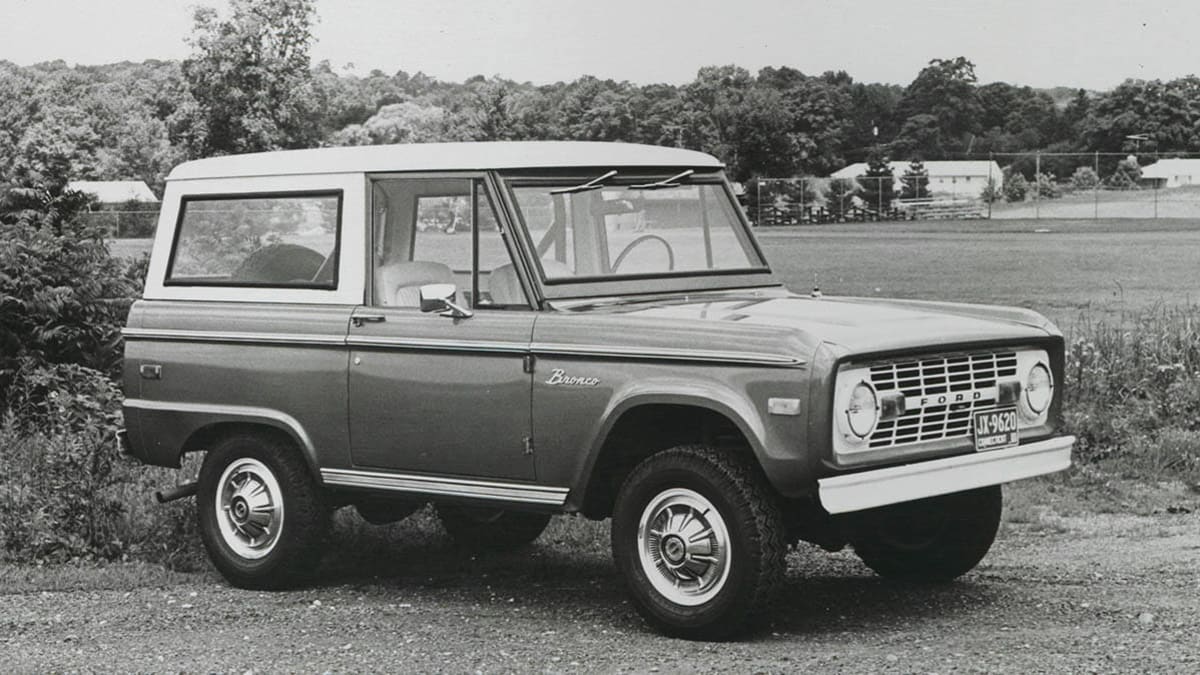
[[1172, 173], [947, 178], [113, 192]]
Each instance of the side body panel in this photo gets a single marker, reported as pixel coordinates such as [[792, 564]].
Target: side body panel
[[192, 364], [591, 369], [432, 394]]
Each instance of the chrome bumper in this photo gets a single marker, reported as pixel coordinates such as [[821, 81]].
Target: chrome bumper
[[869, 489]]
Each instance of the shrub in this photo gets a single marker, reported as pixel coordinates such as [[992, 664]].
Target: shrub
[[1047, 186], [63, 297], [1015, 187], [1085, 178]]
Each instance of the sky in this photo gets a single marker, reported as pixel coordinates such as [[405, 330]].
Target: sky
[[1094, 44]]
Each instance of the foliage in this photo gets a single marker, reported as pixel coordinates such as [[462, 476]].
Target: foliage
[[914, 182], [878, 183], [250, 80], [1047, 186], [1133, 392], [991, 192], [63, 298], [1015, 186], [1085, 178], [945, 91], [839, 196], [1126, 175]]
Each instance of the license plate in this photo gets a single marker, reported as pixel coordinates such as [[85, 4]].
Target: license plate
[[995, 429]]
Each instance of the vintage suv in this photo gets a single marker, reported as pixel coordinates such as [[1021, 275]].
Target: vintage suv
[[514, 330]]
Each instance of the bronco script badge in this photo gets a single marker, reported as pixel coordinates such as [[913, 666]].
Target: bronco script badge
[[559, 376]]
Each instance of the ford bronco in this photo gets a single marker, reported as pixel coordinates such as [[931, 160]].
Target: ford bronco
[[515, 330]]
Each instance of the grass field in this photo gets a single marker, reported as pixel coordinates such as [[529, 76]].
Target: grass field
[[1062, 268]]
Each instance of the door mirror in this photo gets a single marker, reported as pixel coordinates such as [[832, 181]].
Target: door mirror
[[440, 298]]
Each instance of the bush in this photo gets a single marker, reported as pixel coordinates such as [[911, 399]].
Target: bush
[[63, 297], [1085, 178], [1047, 186], [1015, 187]]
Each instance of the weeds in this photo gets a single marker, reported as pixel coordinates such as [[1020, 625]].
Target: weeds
[[1133, 392]]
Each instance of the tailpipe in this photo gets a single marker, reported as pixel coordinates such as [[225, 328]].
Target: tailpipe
[[177, 492]]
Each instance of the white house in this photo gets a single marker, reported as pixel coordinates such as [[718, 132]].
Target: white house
[[115, 191], [947, 178], [1172, 173]]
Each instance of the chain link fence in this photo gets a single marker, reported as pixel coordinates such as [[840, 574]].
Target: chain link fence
[[1034, 185]]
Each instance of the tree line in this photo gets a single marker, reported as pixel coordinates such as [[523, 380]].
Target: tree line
[[249, 85]]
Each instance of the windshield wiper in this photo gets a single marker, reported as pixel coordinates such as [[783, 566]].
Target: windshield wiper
[[672, 182], [593, 184]]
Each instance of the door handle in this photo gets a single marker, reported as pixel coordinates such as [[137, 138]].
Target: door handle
[[359, 319]]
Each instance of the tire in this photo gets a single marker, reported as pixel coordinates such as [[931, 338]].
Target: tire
[[696, 501], [491, 529], [931, 540], [245, 474]]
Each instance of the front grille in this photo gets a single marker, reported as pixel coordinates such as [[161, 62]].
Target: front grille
[[930, 377]]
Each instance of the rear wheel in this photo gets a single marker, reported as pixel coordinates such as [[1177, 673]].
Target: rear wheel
[[262, 516], [491, 529], [929, 540], [699, 539]]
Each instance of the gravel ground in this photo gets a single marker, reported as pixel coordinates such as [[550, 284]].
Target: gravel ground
[[1058, 593]]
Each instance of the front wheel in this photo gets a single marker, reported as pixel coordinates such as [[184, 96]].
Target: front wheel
[[929, 540], [262, 516], [699, 539]]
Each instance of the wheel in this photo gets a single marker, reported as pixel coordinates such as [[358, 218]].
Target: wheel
[[644, 238], [700, 541], [262, 516], [929, 540], [491, 529]]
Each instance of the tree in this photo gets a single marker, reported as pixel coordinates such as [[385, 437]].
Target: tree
[[914, 182], [1047, 185], [878, 183], [945, 90], [250, 80], [839, 197]]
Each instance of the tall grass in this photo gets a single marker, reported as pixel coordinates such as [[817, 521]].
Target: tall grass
[[1133, 392]]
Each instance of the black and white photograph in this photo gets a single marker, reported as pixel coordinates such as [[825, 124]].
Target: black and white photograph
[[599, 337]]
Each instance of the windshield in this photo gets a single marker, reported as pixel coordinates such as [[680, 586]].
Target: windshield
[[647, 227]]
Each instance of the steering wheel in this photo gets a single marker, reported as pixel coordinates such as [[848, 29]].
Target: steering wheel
[[644, 238]]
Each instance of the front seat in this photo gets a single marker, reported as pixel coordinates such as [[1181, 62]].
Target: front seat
[[398, 284]]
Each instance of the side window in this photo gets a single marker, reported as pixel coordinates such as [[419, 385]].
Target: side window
[[285, 241], [431, 230]]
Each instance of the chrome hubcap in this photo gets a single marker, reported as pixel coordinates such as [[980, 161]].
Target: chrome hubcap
[[683, 547], [249, 508]]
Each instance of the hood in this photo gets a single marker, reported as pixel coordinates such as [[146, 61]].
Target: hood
[[860, 325]]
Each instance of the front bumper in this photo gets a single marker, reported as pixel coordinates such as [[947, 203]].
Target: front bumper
[[869, 489]]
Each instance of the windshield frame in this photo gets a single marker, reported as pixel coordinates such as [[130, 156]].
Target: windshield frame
[[759, 274]]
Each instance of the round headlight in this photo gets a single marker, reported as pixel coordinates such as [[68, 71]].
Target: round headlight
[[862, 410], [1038, 388]]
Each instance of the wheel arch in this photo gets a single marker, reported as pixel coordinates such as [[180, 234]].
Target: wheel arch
[[642, 425]]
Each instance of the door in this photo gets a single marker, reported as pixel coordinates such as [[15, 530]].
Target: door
[[431, 393]]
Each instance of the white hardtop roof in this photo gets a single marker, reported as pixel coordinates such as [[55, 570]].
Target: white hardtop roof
[[114, 191], [476, 156]]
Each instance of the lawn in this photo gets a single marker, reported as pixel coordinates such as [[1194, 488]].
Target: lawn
[[1062, 268]]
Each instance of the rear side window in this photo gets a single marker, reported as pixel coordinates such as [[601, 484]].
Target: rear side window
[[278, 240]]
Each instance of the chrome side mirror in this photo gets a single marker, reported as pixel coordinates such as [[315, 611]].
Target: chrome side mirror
[[440, 298]]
